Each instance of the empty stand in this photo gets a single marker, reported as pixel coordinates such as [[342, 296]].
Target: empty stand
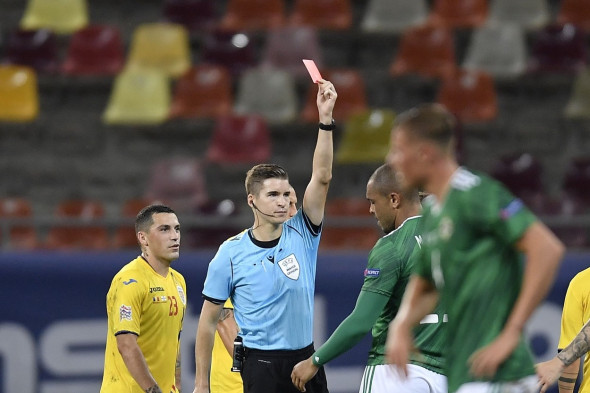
[[459, 13], [19, 96], [230, 49], [576, 183], [34, 48], [20, 236], [323, 14], [194, 15], [125, 236], [387, 16], [204, 91], [253, 15], [95, 50], [348, 238], [60, 16], [521, 173], [578, 106], [576, 12], [558, 49], [527, 14]]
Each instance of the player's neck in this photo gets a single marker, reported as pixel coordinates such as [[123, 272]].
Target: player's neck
[[160, 266], [440, 179], [407, 211], [267, 231]]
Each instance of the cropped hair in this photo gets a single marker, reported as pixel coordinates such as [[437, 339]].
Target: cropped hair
[[259, 173], [145, 218], [432, 122], [385, 180]]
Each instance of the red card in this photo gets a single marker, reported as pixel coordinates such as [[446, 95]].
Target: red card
[[313, 70]]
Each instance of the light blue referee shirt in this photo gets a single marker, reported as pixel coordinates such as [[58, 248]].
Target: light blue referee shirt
[[271, 284]]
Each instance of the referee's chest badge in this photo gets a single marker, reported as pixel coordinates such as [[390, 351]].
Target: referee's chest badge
[[290, 267]]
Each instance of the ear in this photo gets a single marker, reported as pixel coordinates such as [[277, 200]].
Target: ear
[[142, 238], [250, 200], [395, 200]]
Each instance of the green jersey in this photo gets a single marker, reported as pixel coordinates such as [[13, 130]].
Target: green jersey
[[469, 253], [388, 270]]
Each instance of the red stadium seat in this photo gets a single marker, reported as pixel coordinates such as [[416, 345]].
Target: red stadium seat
[[240, 140], [576, 183], [253, 15], [233, 50], [459, 13], [21, 237], [347, 207], [204, 91], [576, 12], [352, 95], [194, 15], [470, 95], [558, 49], [427, 50], [85, 233], [34, 48], [95, 50], [521, 173], [322, 14]]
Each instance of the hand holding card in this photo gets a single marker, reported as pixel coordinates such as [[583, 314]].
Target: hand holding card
[[313, 70]]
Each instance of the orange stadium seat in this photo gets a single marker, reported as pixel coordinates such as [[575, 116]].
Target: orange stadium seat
[[60, 16], [240, 140], [347, 207], [459, 13], [348, 238], [470, 95], [95, 50], [20, 237], [253, 15], [576, 12], [204, 91], [86, 234], [322, 14], [19, 95], [428, 51], [352, 95], [124, 236]]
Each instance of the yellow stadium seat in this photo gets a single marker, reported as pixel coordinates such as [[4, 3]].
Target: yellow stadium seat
[[160, 46], [366, 137], [139, 97], [578, 106], [19, 97], [61, 16]]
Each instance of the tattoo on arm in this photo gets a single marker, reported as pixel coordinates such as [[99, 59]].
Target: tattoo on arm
[[577, 348], [225, 313], [153, 389]]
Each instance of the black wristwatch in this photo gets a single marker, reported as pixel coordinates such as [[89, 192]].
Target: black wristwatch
[[328, 127]]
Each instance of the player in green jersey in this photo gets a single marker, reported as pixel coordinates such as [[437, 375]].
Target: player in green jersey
[[475, 235], [386, 276]]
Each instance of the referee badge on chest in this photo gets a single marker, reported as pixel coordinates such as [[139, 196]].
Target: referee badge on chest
[[290, 266]]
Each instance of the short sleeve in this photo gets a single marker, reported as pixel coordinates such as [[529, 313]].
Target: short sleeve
[[217, 287], [303, 225], [383, 269], [420, 263], [572, 318], [127, 304]]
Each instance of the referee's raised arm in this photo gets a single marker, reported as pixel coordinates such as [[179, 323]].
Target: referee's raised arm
[[314, 200]]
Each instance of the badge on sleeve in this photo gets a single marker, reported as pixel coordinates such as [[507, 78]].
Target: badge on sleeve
[[125, 313], [290, 267]]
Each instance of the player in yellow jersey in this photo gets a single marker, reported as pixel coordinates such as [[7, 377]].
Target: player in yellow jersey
[[222, 380], [145, 306]]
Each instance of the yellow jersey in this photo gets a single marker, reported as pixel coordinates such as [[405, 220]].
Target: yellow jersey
[[142, 302], [576, 312], [223, 380]]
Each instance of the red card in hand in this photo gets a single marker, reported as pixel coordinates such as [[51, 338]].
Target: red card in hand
[[313, 70]]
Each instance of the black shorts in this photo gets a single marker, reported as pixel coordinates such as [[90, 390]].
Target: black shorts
[[270, 371]]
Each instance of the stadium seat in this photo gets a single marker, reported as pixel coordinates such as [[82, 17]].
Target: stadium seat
[[558, 49], [428, 51], [352, 95], [124, 236], [499, 50], [194, 15], [458, 13], [33, 48], [235, 51], [469, 95], [20, 236], [287, 46], [322, 14], [19, 96], [365, 138], [163, 47], [578, 106], [138, 98], [84, 233], [576, 183], [348, 238], [239, 140], [521, 173], [95, 50], [527, 14], [358, 207], [576, 12], [253, 15], [387, 16], [205, 91], [60, 16], [267, 92], [178, 182]]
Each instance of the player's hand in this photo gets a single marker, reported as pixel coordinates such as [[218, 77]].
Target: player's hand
[[326, 99], [302, 373], [398, 347], [548, 372], [485, 361]]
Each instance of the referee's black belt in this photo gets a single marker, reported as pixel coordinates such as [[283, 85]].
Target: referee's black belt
[[278, 353]]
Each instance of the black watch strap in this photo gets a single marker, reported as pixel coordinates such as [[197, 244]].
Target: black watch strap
[[328, 127]]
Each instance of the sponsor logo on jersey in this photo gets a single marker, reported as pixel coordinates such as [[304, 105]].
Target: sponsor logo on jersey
[[290, 267], [181, 294], [131, 281], [372, 272], [513, 207], [160, 299], [156, 289], [125, 313]]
